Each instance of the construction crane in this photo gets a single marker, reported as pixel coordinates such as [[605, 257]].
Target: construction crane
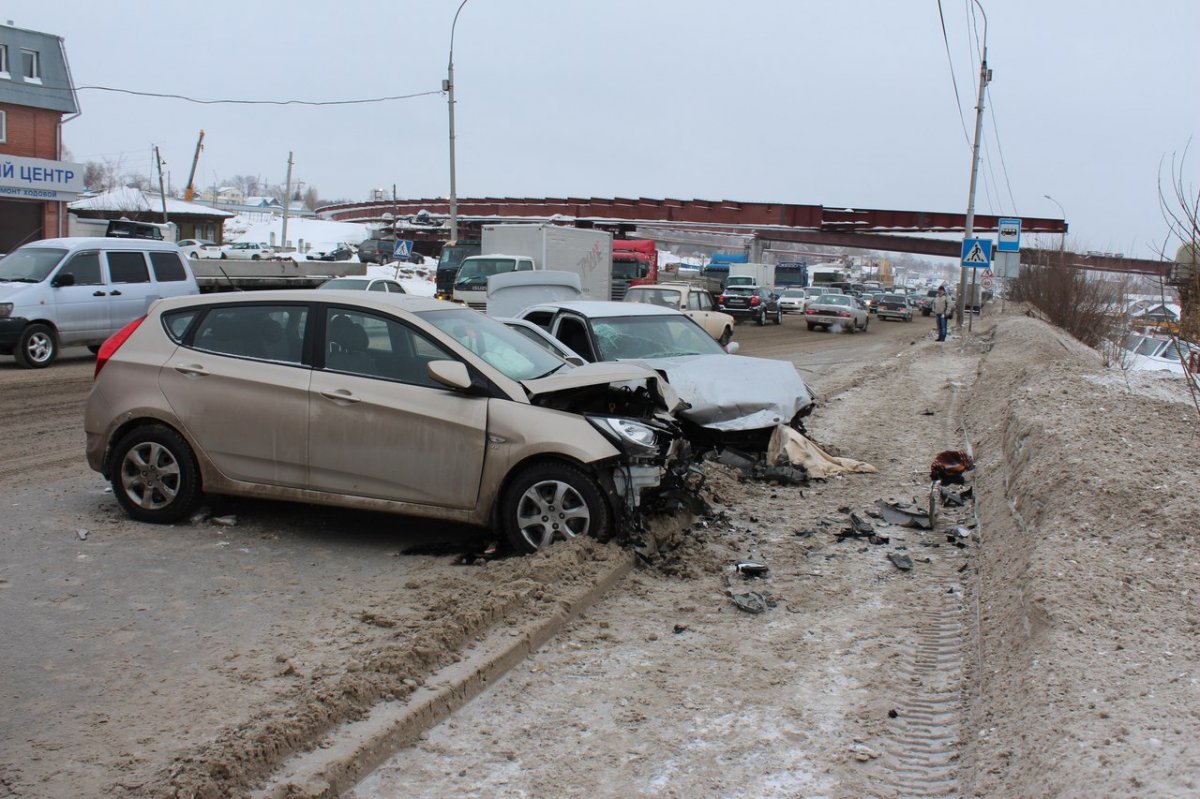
[[189, 191]]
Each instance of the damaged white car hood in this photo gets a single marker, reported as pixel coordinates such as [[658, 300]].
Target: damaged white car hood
[[595, 374], [734, 392]]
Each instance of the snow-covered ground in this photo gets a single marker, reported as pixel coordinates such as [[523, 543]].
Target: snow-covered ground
[[303, 233]]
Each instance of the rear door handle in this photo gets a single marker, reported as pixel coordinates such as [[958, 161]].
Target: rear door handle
[[340, 395], [116, 293], [191, 370], [97, 293]]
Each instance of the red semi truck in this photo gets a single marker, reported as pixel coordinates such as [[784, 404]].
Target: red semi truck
[[635, 262]]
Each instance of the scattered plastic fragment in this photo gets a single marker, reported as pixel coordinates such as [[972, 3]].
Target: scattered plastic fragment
[[752, 568], [951, 466], [224, 521], [753, 602], [904, 514], [83, 534]]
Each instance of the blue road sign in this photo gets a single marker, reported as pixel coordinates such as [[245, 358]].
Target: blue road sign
[[1009, 238], [976, 253], [403, 248]]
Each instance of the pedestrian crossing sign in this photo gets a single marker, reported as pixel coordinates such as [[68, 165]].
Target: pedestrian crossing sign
[[976, 253], [403, 248]]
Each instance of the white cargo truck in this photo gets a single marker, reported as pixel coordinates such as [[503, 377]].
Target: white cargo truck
[[751, 275], [520, 248]]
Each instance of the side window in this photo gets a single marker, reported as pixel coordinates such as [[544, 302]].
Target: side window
[[264, 332], [127, 267], [703, 301], [693, 301], [375, 346], [380, 286], [177, 323], [572, 333], [524, 266], [168, 268], [540, 318], [85, 267]]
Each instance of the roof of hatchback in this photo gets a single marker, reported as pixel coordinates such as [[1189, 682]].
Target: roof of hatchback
[[378, 300]]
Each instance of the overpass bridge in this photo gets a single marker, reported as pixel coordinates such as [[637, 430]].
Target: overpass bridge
[[762, 224]]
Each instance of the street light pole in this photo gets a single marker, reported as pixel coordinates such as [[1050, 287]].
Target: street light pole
[[448, 85], [985, 77], [1062, 240]]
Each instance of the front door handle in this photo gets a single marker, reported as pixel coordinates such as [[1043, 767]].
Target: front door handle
[[191, 370], [116, 293], [340, 395], [97, 293]]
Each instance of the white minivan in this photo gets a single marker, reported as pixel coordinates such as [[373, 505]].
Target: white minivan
[[78, 291]]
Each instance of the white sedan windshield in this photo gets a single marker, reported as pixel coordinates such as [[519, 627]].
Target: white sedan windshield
[[619, 337]]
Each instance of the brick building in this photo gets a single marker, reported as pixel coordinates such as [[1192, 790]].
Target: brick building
[[36, 96]]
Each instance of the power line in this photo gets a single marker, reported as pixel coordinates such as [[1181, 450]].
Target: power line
[[953, 79], [1000, 149], [232, 101]]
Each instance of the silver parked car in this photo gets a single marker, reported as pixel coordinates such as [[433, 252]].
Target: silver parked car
[[732, 400], [376, 401]]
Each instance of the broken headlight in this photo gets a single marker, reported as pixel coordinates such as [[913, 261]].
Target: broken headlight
[[630, 435]]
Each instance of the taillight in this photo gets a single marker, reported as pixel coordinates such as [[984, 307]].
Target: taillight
[[754, 300], [113, 343], [721, 299]]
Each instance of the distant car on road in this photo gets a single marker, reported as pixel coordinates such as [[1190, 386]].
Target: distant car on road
[[247, 251], [377, 251], [339, 251], [751, 302], [191, 247], [792, 300], [895, 306], [837, 311], [363, 284]]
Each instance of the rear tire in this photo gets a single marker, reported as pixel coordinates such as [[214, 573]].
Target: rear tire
[[726, 337], [37, 347], [778, 316], [154, 475], [551, 501], [811, 326], [761, 319], [866, 324]]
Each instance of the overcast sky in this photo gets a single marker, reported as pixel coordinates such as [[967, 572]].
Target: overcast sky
[[847, 103]]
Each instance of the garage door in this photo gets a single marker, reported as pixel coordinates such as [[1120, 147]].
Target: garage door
[[20, 223]]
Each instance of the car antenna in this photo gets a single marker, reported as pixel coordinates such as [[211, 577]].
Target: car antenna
[[232, 287]]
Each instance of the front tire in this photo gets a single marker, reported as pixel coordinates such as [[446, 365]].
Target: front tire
[[154, 475], [811, 326], [761, 319], [726, 337], [37, 347], [778, 316], [546, 502]]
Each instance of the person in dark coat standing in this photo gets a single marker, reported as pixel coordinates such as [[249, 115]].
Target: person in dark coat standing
[[941, 306]]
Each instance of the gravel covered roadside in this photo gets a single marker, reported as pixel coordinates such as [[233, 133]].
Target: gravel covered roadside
[[867, 681]]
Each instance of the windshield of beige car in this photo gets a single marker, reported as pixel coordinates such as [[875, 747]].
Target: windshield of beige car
[[508, 351]]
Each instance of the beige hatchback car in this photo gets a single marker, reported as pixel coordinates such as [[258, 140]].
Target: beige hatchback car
[[375, 401], [693, 301]]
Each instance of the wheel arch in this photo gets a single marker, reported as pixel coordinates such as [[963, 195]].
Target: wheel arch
[[132, 423], [593, 470]]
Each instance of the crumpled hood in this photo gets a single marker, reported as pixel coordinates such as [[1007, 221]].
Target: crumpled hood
[[598, 374], [734, 392]]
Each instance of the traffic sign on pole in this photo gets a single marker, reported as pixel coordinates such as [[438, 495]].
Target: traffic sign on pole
[[403, 248], [1009, 238], [976, 253]]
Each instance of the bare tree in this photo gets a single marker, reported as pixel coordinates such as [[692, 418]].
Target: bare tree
[[311, 198]]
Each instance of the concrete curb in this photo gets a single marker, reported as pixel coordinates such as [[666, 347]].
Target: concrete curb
[[356, 749]]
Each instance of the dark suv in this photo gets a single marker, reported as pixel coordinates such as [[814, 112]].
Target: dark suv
[[751, 302], [377, 251]]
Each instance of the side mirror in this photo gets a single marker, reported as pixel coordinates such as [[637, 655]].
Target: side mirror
[[574, 360], [451, 374], [732, 348], [63, 279]]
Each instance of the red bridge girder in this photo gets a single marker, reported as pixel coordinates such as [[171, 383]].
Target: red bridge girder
[[723, 213]]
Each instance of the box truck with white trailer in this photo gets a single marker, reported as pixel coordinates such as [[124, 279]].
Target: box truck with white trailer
[[519, 248]]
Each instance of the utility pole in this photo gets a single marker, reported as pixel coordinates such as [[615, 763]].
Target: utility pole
[[161, 189], [448, 86], [287, 200], [985, 77]]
